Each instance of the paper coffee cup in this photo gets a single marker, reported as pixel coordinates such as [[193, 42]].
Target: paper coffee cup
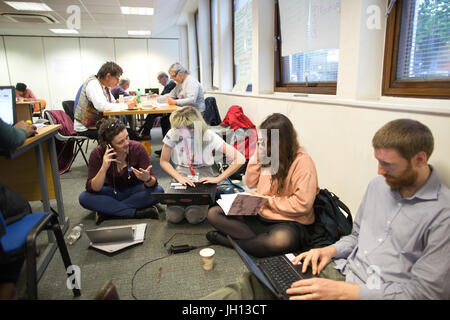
[[207, 255]]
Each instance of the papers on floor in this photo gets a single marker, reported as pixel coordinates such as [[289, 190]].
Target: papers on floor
[[110, 247], [243, 204]]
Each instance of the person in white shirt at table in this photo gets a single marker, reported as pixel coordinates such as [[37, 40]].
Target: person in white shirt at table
[[188, 91]]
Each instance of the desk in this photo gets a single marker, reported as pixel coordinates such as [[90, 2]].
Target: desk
[[36, 161], [142, 110]]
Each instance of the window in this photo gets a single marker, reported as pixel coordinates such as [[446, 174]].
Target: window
[[307, 50], [417, 50], [214, 45], [242, 44]]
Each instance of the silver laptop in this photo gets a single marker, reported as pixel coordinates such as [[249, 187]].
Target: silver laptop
[[111, 234]]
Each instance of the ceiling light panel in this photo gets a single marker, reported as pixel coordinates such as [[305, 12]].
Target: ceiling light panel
[[140, 11], [29, 6]]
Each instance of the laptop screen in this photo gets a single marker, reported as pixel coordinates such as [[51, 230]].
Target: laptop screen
[[8, 104], [252, 266]]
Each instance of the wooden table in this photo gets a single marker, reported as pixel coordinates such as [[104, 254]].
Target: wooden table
[[32, 171], [142, 110]]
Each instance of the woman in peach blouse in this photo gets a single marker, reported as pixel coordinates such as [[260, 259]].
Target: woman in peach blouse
[[286, 223]]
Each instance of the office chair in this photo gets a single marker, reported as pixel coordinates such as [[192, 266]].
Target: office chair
[[67, 136], [19, 238], [68, 106], [39, 107]]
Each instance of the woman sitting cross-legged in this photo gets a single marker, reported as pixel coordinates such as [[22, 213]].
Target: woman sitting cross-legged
[[287, 177], [191, 146], [120, 177]]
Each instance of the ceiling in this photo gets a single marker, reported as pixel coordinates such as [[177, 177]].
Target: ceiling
[[98, 18]]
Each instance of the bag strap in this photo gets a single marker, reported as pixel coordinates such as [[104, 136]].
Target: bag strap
[[341, 205]]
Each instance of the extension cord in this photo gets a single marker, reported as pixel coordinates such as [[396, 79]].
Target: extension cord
[[181, 248]]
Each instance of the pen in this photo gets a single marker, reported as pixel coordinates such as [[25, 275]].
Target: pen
[[159, 274]]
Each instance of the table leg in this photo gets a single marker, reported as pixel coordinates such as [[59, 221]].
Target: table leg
[[57, 184]]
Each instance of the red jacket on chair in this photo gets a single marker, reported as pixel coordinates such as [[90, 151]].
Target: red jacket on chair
[[236, 119]]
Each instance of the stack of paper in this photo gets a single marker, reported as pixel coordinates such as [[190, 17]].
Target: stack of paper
[[243, 204]]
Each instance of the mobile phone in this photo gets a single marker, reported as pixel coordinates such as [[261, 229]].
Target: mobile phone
[[114, 157]]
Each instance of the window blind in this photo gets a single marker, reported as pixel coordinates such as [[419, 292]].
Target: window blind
[[424, 46]]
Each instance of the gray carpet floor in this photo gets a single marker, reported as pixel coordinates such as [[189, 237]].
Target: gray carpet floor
[[182, 276]]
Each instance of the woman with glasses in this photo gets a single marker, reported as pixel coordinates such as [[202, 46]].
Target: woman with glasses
[[95, 97], [191, 147], [120, 177], [188, 91], [283, 173]]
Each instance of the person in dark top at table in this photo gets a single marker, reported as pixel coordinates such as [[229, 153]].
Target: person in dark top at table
[[12, 137], [169, 85], [124, 84], [120, 177], [12, 205]]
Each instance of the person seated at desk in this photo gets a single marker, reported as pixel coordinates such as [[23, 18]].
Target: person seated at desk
[[190, 145], [188, 91], [120, 177], [12, 205], [287, 222], [168, 85], [400, 243], [124, 84], [12, 137], [95, 97], [24, 93]]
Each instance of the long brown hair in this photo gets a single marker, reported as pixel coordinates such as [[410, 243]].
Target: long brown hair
[[288, 146]]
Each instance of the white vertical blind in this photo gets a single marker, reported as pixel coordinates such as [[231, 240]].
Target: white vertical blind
[[324, 22], [294, 17], [308, 25]]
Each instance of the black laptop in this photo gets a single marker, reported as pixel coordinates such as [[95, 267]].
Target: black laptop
[[176, 194], [277, 273]]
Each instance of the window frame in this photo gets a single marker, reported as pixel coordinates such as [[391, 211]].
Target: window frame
[[435, 89], [297, 87], [212, 37]]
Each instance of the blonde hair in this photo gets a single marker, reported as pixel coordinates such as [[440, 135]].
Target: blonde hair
[[186, 117]]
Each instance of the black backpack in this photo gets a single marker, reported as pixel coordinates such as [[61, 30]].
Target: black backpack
[[327, 209]]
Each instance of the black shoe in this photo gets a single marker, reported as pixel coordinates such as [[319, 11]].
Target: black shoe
[[216, 237], [150, 212], [99, 217]]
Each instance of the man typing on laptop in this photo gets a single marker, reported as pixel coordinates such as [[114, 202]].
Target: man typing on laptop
[[401, 238]]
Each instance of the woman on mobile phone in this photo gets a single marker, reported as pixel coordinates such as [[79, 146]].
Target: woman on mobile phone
[[120, 177]]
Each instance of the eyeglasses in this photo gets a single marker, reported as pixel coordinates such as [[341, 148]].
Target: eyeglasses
[[113, 124]]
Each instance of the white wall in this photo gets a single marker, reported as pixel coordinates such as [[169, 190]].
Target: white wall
[[4, 72], [55, 67], [26, 63], [162, 54], [338, 137]]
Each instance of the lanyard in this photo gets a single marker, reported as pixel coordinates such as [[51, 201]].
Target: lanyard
[[188, 157]]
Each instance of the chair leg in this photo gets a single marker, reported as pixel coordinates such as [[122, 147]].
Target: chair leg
[[31, 270], [63, 250], [82, 153]]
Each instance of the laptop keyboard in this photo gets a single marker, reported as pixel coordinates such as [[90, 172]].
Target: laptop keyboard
[[281, 274]]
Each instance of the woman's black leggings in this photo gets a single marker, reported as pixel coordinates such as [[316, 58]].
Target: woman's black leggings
[[260, 237]]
